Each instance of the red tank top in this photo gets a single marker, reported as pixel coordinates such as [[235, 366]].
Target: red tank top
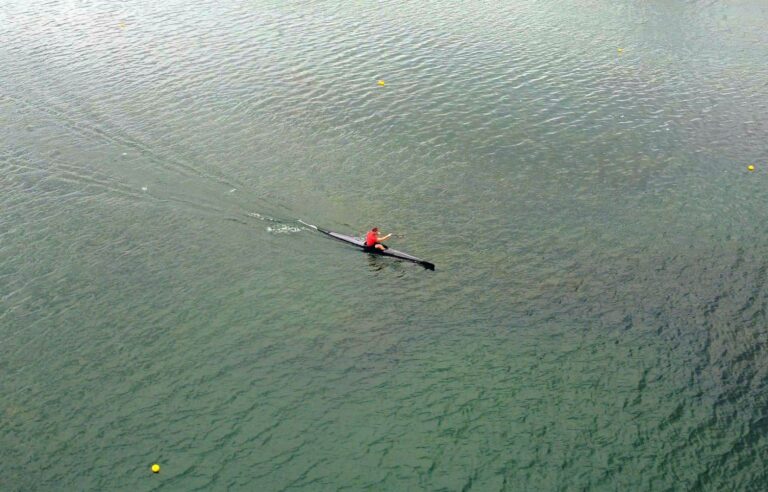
[[370, 239]]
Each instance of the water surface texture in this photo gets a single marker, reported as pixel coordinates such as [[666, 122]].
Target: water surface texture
[[577, 170]]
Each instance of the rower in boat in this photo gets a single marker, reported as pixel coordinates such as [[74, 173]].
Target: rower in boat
[[373, 240]]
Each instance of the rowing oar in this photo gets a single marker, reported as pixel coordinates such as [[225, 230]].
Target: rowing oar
[[399, 236]]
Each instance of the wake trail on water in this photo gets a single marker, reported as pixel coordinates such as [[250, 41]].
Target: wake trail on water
[[101, 131], [162, 176]]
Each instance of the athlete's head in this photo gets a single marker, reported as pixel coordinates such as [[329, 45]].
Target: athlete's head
[[375, 229]]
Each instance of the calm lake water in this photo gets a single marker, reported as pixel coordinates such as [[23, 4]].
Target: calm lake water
[[577, 170]]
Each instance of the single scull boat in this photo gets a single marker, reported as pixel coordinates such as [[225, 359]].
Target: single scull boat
[[360, 243]]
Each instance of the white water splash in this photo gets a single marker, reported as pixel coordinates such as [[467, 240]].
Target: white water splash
[[283, 229]]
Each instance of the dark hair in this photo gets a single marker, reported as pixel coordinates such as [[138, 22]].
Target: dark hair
[[375, 229]]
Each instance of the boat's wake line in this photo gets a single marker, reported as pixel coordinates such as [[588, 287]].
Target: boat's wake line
[[277, 226], [283, 229]]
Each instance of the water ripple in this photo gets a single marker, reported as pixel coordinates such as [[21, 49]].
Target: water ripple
[[577, 172]]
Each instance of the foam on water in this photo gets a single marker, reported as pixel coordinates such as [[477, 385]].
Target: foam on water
[[283, 229]]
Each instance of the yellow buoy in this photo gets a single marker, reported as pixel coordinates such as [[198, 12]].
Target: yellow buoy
[[620, 50], [750, 168], [155, 468], [381, 82]]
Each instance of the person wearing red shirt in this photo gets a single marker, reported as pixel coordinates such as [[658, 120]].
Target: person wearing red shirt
[[373, 240]]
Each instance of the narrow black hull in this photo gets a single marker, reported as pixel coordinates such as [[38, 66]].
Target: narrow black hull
[[392, 253]]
